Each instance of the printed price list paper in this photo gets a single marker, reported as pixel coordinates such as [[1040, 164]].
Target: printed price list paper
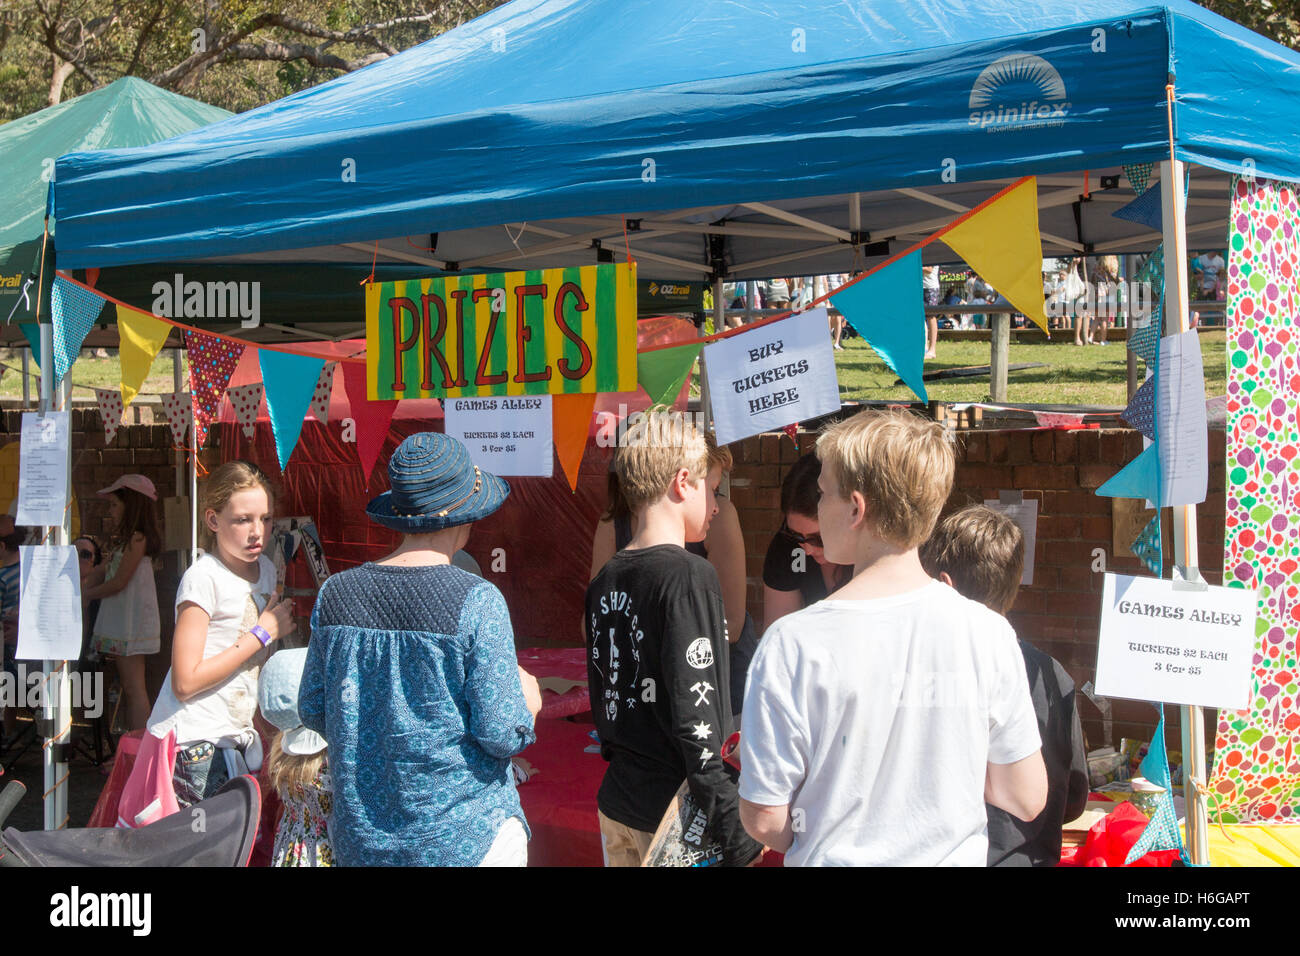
[[49, 610], [1161, 643], [43, 469], [509, 437]]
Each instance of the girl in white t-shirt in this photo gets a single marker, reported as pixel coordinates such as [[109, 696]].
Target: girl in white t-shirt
[[127, 626], [227, 614]]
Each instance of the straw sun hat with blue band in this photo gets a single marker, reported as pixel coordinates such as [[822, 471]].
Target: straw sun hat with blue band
[[435, 485]]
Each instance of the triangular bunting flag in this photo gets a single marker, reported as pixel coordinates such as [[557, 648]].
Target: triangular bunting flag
[[245, 400], [1140, 478], [211, 362], [371, 419], [1141, 411], [32, 332], [1153, 270], [1162, 832], [110, 411], [663, 372], [142, 336], [570, 422], [74, 310], [320, 399], [290, 381], [1149, 548], [1001, 242], [1138, 176], [180, 415], [888, 311], [1144, 341], [1144, 210]]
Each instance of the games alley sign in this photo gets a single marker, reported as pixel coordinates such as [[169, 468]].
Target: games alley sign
[[551, 331]]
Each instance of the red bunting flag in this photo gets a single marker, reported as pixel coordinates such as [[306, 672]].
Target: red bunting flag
[[211, 362], [372, 418]]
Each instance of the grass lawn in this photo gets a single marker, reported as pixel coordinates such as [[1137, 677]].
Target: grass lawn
[[1087, 375], [91, 373]]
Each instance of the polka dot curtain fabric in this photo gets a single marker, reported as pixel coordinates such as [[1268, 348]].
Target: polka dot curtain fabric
[[1256, 776]]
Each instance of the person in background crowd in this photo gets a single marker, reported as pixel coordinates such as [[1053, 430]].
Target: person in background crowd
[[931, 291], [1076, 304], [852, 753], [723, 546], [11, 539], [297, 767], [790, 580], [127, 626], [413, 680], [1207, 269], [89, 557], [228, 613], [655, 619], [1105, 275], [981, 554], [778, 293]]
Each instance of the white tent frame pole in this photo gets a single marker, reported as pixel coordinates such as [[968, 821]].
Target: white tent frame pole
[[54, 704], [182, 467], [1185, 539], [1147, 238], [798, 220]]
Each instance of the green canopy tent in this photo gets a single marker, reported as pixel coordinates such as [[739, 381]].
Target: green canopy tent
[[129, 112]]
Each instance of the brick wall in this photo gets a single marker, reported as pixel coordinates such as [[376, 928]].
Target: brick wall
[[1061, 612]]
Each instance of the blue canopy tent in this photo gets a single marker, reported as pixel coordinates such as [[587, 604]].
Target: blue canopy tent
[[719, 138], [788, 132]]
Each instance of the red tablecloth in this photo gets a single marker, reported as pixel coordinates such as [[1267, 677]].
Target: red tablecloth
[[566, 663], [559, 800]]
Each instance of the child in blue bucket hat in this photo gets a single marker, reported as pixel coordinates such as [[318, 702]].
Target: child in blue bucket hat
[[412, 678]]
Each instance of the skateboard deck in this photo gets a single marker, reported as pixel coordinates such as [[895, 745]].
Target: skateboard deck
[[682, 837]]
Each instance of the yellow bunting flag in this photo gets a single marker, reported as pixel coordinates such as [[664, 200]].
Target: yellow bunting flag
[[1001, 242], [570, 422], [142, 336]]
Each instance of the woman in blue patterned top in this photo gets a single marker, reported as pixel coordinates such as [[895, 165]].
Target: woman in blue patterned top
[[411, 676]]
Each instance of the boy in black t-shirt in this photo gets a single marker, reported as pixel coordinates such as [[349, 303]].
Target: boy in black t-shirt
[[980, 553], [657, 652]]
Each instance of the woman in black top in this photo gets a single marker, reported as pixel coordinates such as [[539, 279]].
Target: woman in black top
[[795, 571]]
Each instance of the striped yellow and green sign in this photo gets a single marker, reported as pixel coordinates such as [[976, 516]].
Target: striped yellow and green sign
[[553, 331]]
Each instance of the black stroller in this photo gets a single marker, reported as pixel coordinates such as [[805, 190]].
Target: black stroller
[[226, 837]]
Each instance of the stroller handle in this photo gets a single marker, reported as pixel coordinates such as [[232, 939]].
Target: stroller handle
[[9, 798]]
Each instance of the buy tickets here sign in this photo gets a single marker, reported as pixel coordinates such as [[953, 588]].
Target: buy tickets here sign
[[551, 331]]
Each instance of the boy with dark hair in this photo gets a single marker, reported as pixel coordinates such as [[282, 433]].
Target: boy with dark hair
[[657, 652], [981, 552]]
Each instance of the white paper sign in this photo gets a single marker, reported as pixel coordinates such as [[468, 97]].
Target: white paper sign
[[43, 469], [49, 610], [508, 436], [766, 379], [1176, 646], [1025, 514], [1181, 421]]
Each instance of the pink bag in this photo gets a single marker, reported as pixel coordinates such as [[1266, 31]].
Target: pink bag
[[149, 795]]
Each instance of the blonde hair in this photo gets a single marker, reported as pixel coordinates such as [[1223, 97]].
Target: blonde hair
[[227, 481], [718, 454], [983, 551], [901, 464], [285, 771], [658, 445]]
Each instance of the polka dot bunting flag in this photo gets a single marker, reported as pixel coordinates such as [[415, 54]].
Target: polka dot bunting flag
[[320, 400], [211, 362], [245, 400], [110, 411], [180, 414]]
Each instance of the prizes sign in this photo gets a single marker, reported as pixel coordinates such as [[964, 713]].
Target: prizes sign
[[764, 379], [552, 331]]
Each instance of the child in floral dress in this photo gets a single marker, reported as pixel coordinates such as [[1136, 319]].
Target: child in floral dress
[[297, 769]]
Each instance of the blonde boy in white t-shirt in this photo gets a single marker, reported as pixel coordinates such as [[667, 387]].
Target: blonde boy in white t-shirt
[[878, 722]]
